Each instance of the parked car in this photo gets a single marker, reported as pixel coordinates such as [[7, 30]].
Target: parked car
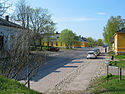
[[97, 51], [52, 49], [91, 54]]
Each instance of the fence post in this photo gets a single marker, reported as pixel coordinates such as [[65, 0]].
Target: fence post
[[120, 73], [107, 71]]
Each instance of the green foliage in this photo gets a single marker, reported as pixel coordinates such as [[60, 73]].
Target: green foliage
[[68, 37], [94, 43], [8, 86], [113, 86], [100, 42], [91, 41], [113, 25]]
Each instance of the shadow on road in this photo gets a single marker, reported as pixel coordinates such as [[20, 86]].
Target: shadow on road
[[60, 62]]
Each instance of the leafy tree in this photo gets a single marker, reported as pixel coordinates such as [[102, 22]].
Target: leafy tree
[[68, 37], [100, 42], [113, 25], [91, 41]]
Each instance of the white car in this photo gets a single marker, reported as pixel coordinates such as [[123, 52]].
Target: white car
[[91, 54]]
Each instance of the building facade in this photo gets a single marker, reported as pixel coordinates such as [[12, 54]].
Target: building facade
[[7, 30], [54, 43], [119, 42]]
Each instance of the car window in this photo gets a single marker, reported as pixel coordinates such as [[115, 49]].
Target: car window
[[90, 52]]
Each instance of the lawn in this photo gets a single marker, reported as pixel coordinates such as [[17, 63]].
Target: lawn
[[111, 53], [119, 56], [8, 86], [113, 86], [120, 63]]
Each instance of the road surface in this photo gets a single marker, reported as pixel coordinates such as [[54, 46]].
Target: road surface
[[67, 71]]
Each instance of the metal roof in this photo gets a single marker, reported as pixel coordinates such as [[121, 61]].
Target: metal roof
[[122, 30], [4, 22]]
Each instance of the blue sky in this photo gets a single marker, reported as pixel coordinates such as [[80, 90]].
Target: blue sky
[[83, 17]]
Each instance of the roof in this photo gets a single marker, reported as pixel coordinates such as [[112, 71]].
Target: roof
[[4, 22], [120, 31]]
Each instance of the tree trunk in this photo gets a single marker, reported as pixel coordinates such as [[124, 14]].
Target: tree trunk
[[41, 45]]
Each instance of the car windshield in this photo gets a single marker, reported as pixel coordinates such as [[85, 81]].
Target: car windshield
[[90, 52]]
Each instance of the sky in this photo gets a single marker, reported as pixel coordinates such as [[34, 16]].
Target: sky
[[84, 17]]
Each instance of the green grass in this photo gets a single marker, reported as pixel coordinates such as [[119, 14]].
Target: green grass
[[120, 63], [113, 86], [8, 86], [111, 53], [119, 56]]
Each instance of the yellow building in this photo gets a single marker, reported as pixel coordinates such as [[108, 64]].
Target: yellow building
[[54, 43], [62, 44], [119, 42]]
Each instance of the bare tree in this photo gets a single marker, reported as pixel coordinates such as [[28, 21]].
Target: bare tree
[[4, 6], [21, 13], [42, 23], [20, 62], [38, 20]]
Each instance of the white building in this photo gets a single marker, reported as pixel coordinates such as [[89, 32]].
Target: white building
[[7, 30]]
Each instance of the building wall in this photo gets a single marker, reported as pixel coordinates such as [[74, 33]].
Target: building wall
[[121, 42], [7, 33], [115, 42], [62, 44]]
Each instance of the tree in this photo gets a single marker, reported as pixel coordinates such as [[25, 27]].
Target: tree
[[113, 25], [22, 13], [37, 19], [91, 41], [4, 6], [20, 63], [68, 37], [41, 22], [100, 42]]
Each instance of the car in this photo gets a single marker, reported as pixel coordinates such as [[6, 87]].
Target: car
[[91, 54], [97, 51], [52, 49]]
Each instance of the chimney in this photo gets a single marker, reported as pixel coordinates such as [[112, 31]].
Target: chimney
[[7, 17]]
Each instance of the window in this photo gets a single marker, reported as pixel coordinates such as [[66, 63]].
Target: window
[[81, 43], [61, 43], [70, 44], [43, 43], [1, 42], [56, 43], [47, 43], [52, 44]]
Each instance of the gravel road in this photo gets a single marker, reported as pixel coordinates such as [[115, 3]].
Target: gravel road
[[68, 71]]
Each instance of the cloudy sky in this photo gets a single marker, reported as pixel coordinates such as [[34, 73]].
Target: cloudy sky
[[83, 17]]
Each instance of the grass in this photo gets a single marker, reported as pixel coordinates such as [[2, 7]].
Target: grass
[[113, 86], [120, 63], [119, 56], [111, 53], [8, 86]]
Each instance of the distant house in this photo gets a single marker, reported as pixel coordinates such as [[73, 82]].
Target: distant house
[[7, 30], [119, 42], [53, 42]]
